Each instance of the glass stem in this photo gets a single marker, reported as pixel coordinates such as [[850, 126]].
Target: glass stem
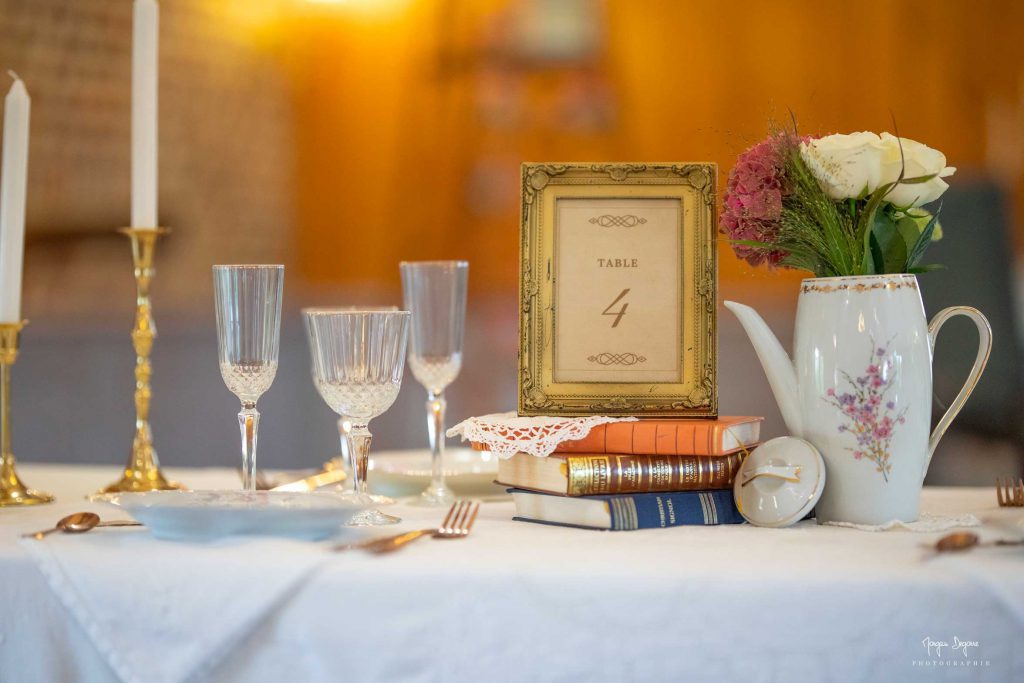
[[347, 461], [248, 424], [358, 437], [435, 431]]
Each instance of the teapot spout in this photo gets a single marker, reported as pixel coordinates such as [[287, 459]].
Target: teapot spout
[[776, 363]]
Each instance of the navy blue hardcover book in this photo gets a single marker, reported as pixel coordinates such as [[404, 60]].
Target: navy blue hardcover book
[[628, 512]]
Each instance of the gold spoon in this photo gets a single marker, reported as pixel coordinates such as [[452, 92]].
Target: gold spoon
[[958, 541], [78, 523]]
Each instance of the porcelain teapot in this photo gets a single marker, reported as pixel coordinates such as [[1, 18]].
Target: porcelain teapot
[[859, 387]]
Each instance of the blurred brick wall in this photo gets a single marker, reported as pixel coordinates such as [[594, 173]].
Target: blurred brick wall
[[226, 168]]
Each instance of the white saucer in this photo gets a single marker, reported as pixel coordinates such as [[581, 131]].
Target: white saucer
[[406, 473], [206, 515], [779, 482]]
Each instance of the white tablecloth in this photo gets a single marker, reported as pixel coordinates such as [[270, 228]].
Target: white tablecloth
[[518, 601]]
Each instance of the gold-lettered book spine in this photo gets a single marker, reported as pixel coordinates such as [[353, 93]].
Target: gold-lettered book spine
[[590, 475]]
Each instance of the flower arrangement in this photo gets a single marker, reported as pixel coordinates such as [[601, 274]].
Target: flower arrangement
[[836, 205], [870, 417]]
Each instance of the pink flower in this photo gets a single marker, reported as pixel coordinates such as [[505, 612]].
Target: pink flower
[[733, 208], [755, 172], [830, 392], [752, 205], [763, 205]]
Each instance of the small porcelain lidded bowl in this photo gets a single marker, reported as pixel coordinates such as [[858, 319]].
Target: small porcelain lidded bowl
[[780, 482]]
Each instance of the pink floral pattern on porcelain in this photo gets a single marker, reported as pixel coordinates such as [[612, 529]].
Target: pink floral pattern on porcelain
[[871, 417]]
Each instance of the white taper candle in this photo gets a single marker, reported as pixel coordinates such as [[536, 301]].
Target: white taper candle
[[145, 49], [13, 187]]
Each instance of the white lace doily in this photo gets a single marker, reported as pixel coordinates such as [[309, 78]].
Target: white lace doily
[[926, 523], [506, 434]]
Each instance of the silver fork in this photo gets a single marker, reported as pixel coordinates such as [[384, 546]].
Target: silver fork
[[457, 524]]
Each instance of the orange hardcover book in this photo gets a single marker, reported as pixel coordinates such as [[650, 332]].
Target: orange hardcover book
[[669, 437]]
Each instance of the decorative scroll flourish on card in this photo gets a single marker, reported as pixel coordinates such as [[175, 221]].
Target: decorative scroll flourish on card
[[627, 221], [617, 358]]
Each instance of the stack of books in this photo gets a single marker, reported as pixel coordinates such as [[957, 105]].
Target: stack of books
[[635, 475]]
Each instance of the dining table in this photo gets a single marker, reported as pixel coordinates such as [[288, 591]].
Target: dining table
[[512, 601]]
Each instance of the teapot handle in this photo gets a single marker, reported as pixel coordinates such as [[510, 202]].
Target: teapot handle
[[984, 348]]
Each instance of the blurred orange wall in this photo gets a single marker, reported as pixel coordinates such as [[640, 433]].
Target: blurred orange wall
[[398, 144]]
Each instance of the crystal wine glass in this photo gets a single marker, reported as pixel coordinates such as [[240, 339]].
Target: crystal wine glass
[[435, 295], [248, 305], [357, 359], [345, 424]]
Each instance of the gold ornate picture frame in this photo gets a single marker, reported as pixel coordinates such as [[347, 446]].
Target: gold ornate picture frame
[[617, 289]]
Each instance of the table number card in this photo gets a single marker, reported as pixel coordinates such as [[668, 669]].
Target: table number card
[[623, 253], [617, 286]]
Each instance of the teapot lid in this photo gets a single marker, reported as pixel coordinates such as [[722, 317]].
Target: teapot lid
[[780, 482]]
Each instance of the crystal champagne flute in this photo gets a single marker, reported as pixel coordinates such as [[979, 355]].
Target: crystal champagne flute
[[358, 358], [435, 295], [248, 306]]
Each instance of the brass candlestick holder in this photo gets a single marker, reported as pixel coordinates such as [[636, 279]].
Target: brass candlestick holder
[[12, 491], [142, 473]]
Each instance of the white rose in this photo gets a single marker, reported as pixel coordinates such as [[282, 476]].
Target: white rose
[[845, 165], [918, 161]]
